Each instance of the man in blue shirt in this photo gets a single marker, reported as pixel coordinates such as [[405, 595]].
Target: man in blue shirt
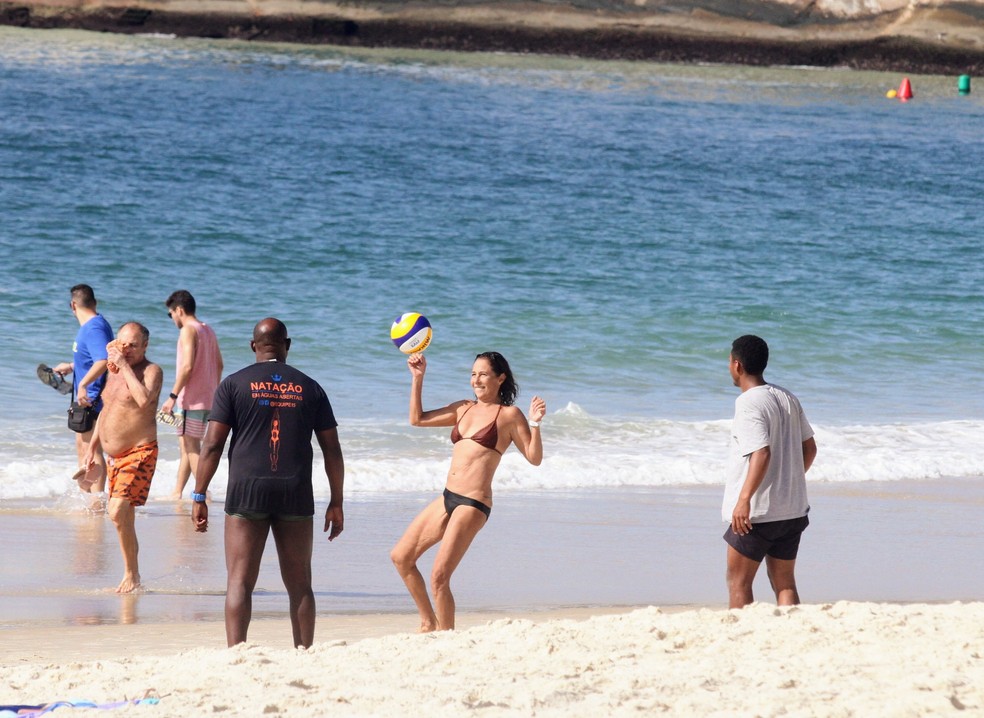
[[88, 367]]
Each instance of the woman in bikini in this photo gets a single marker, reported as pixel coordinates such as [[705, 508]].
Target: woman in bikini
[[483, 430]]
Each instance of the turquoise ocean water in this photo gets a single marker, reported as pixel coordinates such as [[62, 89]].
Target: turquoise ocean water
[[608, 227]]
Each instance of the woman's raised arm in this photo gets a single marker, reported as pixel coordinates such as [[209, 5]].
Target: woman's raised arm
[[445, 416]]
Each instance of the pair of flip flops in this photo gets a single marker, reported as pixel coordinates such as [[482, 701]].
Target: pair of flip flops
[[53, 379], [170, 418]]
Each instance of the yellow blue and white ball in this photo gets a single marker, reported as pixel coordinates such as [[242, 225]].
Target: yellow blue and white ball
[[411, 332]]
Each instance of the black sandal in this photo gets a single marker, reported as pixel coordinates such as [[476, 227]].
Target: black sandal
[[54, 380]]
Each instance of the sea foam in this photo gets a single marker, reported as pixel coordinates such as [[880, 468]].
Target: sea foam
[[581, 451]]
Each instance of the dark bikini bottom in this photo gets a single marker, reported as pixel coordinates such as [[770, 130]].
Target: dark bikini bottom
[[453, 501]]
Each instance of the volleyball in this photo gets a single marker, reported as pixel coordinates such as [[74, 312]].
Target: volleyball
[[411, 332]]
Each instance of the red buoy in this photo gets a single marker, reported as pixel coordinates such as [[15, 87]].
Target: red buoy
[[905, 90]]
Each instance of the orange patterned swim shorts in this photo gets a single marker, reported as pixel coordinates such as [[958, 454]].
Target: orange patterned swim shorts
[[131, 472]]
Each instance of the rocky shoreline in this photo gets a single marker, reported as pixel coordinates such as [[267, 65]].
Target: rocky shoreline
[[699, 36]]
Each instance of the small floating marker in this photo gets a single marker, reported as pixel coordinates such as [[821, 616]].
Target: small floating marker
[[905, 90], [891, 94], [963, 84]]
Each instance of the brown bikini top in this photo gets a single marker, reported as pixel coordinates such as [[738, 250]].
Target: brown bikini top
[[487, 437]]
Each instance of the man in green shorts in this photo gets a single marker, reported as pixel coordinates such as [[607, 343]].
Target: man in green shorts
[[198, 369], [271, 409]]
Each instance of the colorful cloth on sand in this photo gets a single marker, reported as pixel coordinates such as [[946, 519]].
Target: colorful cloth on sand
[[30, 711]]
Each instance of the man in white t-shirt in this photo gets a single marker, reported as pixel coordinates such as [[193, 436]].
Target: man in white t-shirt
[[765, 504]]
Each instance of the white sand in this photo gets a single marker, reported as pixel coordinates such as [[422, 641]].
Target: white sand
[[833, 659]]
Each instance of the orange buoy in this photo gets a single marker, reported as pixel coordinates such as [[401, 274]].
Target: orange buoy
[[905, 90]]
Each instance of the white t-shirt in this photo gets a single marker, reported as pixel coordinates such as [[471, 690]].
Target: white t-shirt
[[768, 415]]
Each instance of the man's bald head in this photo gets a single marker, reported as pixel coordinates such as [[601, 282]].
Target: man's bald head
[[270, 340]]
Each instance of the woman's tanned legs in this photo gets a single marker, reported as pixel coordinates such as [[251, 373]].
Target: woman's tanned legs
[[462, 527], [422, 533]]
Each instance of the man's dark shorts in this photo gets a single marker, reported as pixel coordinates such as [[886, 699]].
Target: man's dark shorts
[[778, 539]]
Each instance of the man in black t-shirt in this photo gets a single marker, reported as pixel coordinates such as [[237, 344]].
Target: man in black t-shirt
[[272, 409]]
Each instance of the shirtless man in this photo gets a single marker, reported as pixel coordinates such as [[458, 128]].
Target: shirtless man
[[127, 431]]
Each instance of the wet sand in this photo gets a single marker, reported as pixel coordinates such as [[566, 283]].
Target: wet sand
[[879, 541]]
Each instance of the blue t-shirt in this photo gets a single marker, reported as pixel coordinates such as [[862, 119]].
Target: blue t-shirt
[[90, 347]]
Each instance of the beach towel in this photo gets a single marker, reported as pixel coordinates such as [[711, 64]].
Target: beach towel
[[30, 711]]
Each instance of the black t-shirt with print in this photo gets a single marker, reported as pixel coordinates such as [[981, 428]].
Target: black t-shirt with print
[[273, 410]]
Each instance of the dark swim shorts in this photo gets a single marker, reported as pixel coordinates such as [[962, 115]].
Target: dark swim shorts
[[266, 516], [778, 539]]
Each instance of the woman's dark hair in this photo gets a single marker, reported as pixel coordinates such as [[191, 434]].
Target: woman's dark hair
[[509, 388]]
